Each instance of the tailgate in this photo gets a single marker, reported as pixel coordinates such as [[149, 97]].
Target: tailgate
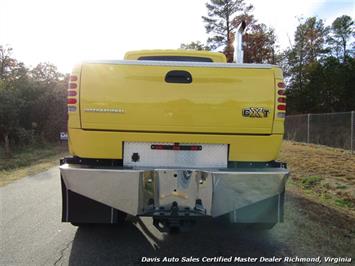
[[138, 98]]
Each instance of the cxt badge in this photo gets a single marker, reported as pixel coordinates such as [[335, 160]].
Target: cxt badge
[[255, 112]]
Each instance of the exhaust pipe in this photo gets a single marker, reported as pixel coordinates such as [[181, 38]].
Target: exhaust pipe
[[238, 45]]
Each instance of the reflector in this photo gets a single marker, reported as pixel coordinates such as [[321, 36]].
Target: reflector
[[281, 115], [71, 108], [176, 147]]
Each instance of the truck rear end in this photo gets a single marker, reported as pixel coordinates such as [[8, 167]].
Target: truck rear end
[[174, 140]]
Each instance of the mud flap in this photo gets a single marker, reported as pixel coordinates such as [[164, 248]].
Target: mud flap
[[78, 209]]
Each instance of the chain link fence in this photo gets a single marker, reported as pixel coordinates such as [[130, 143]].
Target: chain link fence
[[331, 129]]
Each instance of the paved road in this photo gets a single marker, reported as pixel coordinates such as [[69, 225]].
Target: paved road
[[32, 234]]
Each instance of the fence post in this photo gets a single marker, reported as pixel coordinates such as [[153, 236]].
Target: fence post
[[352, 132], [308, 118]]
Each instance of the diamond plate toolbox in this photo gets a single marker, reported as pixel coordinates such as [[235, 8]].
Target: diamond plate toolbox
[[143, 154]]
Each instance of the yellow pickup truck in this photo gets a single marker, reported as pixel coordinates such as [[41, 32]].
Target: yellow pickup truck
[[175, 135]]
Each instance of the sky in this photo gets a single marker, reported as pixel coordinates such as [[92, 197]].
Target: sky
[[65, 32]]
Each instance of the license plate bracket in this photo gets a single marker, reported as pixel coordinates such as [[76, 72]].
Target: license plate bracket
[[181, 155]]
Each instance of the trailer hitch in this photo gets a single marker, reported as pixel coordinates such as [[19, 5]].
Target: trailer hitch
[[177, 219]]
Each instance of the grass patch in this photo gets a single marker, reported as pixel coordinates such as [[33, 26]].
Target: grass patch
[[30, 160], [29, 155], [322, 174], [341, 187], [311, 181], [321, 197], [343, 203]]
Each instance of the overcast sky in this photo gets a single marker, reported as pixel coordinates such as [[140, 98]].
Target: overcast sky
[[64, 32]]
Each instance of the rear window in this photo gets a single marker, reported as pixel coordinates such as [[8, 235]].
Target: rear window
[[176, 58]]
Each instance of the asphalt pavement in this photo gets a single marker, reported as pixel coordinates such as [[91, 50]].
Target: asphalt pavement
[[31, 233]]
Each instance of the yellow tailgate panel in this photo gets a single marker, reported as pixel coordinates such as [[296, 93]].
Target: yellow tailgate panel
[[109, 144], [212, 103]]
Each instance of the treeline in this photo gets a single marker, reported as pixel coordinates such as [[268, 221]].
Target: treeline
[[32, 102], [319, 66]]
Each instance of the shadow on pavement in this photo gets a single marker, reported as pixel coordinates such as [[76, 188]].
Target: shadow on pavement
[[109, 245], [127, 244]]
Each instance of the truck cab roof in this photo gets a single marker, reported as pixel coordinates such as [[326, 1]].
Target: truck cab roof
[[176, 55]]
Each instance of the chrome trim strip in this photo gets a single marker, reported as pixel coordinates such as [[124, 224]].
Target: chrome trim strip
[[281, 171], [105, 110]]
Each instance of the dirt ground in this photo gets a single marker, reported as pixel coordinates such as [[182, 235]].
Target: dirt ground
[[324, 174]]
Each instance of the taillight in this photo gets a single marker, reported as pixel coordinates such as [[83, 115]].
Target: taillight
[[281, 107], [281, 99], [281, 85], [72, 86], [71, 101], [72, 93]]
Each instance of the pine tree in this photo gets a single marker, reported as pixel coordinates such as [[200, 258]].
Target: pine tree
[[342, 30], [222, 20]]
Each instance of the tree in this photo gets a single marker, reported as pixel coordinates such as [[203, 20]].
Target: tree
[[10, 69], [12, 73], [46, 72], [303, 63], [194, 46], [48, 110], [308, 48], [342, 30], [318, 81], [260, 44], [330, 87], [224, 16], [32, 102], [310, 39], [222, 20]]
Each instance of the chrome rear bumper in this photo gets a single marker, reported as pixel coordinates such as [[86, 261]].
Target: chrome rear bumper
[[154, 192]]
